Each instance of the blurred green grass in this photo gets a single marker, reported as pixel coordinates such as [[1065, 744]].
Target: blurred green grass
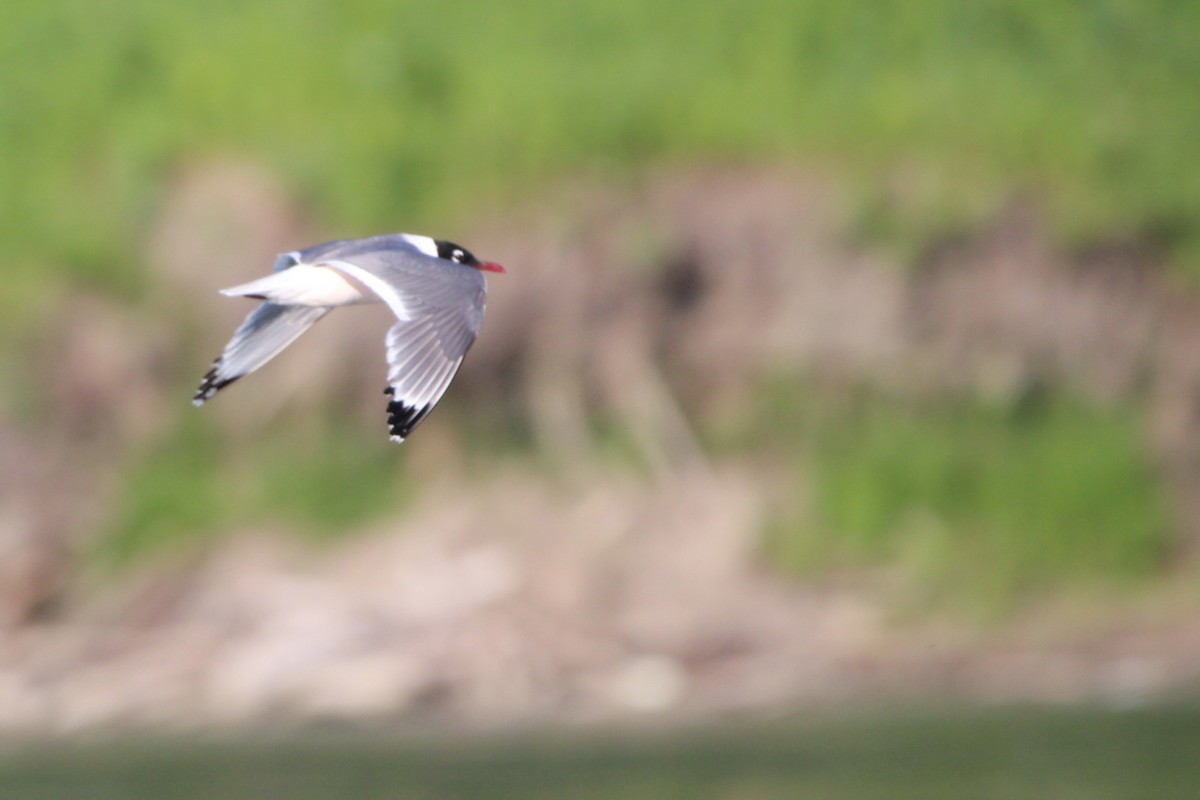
[[197, 484], [386, 115], [987, 503]]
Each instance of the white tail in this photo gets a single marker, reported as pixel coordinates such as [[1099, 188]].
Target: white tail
[[263, 288]]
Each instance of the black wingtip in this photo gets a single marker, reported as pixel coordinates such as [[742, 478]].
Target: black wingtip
[[402, 418], [211, 384]]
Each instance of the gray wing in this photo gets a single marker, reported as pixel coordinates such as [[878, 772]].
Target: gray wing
[[439, 306], [266, 331], [423, 356], [310, 255]]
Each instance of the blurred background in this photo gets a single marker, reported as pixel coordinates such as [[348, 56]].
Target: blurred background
[[849, 357]]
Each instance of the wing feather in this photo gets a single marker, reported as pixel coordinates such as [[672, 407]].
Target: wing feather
[[421, 366], [265, 332]]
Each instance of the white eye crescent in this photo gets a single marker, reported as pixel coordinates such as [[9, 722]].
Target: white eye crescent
[[457, 255]]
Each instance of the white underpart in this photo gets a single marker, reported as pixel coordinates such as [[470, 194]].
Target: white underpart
[[384, 290], [306, 285], [423, 243]]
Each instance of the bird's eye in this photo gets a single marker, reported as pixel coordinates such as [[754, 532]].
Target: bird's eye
[[458, 255]]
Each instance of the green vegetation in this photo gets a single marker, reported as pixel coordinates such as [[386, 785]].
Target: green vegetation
[[195, 485], [384, 115], [987, 754], [979, 500]]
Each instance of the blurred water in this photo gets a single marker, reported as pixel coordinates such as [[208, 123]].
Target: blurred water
[[1009, 752]]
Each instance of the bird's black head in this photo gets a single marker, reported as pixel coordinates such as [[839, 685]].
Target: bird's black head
[[461, 255], [456, 253]]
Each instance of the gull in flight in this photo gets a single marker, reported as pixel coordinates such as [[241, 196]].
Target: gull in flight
[[435, 288]]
